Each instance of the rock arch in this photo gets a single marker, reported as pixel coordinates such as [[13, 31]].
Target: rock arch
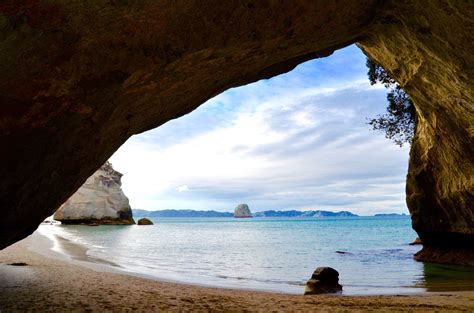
[[78, 80]]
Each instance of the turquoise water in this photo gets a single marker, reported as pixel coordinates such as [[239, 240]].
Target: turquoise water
[[276, 254]]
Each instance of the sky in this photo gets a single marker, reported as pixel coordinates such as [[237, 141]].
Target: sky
[[299, 140]]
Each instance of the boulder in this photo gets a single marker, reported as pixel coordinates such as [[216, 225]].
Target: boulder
[[242, 211], [323, 280], [99, 201], [144, 221]]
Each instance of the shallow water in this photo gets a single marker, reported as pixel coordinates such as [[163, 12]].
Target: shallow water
[[277, 254]]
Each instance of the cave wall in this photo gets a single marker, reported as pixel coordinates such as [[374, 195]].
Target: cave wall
[[79, 79], [430, 51]]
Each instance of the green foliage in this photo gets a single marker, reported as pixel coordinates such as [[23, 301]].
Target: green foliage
[[377, 74], [399, 121]]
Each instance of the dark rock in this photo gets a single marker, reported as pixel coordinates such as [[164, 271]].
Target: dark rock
[[326, 274], [323, 280], [144, 221], [72, 103], [446, 256], [416, 242], [18, 264], [439, 188]]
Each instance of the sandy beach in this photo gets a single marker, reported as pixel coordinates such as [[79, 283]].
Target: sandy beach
[[52, 282]]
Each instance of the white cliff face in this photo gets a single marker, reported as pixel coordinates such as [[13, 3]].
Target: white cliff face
[[100, 200]]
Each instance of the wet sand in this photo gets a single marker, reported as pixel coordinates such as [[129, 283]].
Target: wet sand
[[52, 282]]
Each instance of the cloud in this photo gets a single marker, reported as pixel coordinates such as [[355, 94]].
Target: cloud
[[296, 141], [183, 188]]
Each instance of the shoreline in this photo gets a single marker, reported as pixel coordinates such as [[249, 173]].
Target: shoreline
[[51, 282], [76, 253]]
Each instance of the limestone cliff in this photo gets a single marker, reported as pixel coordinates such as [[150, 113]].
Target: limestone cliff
[[100, 201], [429, 50]]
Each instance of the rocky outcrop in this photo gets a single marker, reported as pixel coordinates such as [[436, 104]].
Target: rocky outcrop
[[79, 79], [144, 221], [99, 201], [323, 280], [427, 47], [458, 256], [242, 211], [416, 242]]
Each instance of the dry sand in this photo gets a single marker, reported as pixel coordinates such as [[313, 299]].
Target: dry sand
[[55, 283]]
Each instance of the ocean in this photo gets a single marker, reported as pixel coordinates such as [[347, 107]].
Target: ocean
[[371, 254]]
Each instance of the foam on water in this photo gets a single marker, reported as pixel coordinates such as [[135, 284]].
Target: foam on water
[[371, 254]]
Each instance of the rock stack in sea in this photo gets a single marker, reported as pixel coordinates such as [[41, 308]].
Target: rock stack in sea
[[242, 211], [323, 280], [100, 200]]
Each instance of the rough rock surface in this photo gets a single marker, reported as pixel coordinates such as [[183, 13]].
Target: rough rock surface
[[242, 211], [416, 242], [78, 79], [144, 221], [429, 50], [323, 280], [458, 256], [99, 201]]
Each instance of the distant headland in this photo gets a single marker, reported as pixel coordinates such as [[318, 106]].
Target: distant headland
[[269, 213], [180, 213], [294, 213], [391, 215]]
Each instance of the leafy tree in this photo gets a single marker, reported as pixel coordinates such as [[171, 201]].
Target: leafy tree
[[400, 120]]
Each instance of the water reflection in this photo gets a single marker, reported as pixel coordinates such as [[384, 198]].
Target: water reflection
[[438, 277]]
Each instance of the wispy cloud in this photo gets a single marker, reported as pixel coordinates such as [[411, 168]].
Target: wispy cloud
[[183, 188], [296, 141]]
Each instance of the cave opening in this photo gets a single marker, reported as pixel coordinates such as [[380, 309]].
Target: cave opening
[[296, 142], [79, 80]]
